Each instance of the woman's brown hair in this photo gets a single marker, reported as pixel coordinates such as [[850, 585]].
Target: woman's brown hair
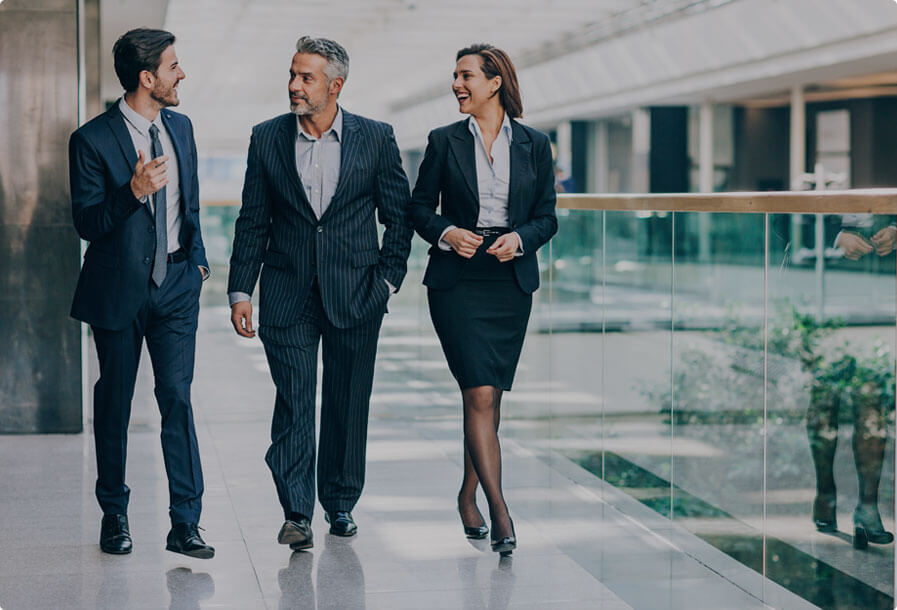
[[496, 62]]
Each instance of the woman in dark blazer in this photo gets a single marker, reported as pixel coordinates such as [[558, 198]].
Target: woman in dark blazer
[[493, 177]]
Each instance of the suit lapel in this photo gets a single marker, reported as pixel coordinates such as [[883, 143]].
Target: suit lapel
[[462, 144], [286, 151], [125, 142], [180, 150], [520, 160], [348, 158]]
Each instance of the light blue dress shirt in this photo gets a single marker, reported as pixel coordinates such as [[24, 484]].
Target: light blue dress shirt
[[318, 163], [138, 128]]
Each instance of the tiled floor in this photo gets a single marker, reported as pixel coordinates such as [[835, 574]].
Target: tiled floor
[[575, 551]]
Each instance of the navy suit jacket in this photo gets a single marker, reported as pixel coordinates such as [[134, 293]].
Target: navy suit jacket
[[448, 177], [114, 280], [278, 234]]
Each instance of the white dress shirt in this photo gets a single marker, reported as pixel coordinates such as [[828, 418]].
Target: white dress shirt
[[493, 179]]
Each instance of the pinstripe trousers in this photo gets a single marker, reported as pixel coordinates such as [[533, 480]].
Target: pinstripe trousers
[[348, 356]]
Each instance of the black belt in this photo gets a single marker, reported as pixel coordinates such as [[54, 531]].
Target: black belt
[[490, 231], [177, 256]]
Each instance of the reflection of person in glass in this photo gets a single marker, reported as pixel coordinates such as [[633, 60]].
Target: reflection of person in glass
[[860, 236], [494, 180]]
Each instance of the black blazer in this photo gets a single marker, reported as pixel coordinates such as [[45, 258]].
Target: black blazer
[[114, 280], [447, 176], [277, 226]]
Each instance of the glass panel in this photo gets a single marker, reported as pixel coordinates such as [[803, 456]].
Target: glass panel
[[611, 340], [714, 406], [830, 396]]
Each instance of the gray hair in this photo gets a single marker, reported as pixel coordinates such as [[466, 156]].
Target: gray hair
[[333, 52]]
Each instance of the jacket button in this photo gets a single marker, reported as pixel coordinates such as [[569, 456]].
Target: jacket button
[[147, 260], [320, 229], [151, 230]]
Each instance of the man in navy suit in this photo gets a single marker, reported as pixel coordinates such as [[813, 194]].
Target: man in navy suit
[[135, 198], [317, 180]]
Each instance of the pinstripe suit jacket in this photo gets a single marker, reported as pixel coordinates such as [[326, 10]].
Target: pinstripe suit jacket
[[278, 234], [448, 178]]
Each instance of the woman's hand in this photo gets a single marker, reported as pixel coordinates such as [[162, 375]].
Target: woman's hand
[[462, 241], [505, 247], [852, 245], [884, 241]]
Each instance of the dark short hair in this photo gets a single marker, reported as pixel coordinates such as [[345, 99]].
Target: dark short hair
[[496, 62], [139, 50]]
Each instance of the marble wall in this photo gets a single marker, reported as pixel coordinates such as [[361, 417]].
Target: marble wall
[[40, 357]]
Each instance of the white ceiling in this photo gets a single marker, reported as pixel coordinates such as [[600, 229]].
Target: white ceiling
[[576, 58], [236, 53]]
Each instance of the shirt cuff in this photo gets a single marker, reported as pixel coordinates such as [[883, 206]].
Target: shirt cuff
[[206, 274], [237, 297], [520, 251], [443, 245], [392, 289]]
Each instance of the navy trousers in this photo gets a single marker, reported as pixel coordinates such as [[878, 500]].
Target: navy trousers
[[348, 356], [167, 322]]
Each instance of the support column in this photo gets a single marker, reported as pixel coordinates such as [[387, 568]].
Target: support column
[[705, 174], [40, 365], [601, 165], [798, 156]]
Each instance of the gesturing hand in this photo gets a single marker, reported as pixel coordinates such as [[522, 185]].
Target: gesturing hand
[[884, 241], [505, 247], [463, 242], [852, 245], [148, 177], [241, 318]]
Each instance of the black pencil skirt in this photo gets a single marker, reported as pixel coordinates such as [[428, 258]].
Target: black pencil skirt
[[481, 321]]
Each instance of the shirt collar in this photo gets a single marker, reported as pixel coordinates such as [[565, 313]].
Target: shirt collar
[[336, 127], [138, 121], [474, 127]]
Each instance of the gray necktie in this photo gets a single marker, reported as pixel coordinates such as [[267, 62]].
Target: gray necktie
[[160, 205]]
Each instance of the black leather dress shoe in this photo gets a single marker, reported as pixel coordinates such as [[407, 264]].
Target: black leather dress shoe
[[184, 538], [297, 534], [341, 523], [115, 537]]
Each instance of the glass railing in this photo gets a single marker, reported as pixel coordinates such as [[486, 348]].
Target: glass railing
[[720, 360], [714, 361]]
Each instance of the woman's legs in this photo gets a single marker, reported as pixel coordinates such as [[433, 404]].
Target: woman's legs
[[481, 406], [467, 496]]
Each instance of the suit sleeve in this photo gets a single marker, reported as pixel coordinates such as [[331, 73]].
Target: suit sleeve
[[251, 227], [96, 211], [198, 251], [391, 191], [542, 223], [425, 198]]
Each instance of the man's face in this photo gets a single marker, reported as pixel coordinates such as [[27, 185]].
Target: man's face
[[167, 77], [310, 89]]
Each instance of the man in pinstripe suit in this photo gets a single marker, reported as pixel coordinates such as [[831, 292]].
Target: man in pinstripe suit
[[315, 179]]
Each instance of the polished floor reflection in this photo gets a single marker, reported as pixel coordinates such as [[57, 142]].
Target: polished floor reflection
[[576, 550]]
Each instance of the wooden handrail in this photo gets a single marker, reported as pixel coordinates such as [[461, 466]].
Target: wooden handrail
[[859, 201]]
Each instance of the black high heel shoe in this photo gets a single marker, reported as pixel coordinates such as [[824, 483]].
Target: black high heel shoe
[[867, 527], [505, 546], [477, 532], [824, 515]]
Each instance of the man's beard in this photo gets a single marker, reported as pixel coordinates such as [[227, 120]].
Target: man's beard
[[166, 97], [307, 108]]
